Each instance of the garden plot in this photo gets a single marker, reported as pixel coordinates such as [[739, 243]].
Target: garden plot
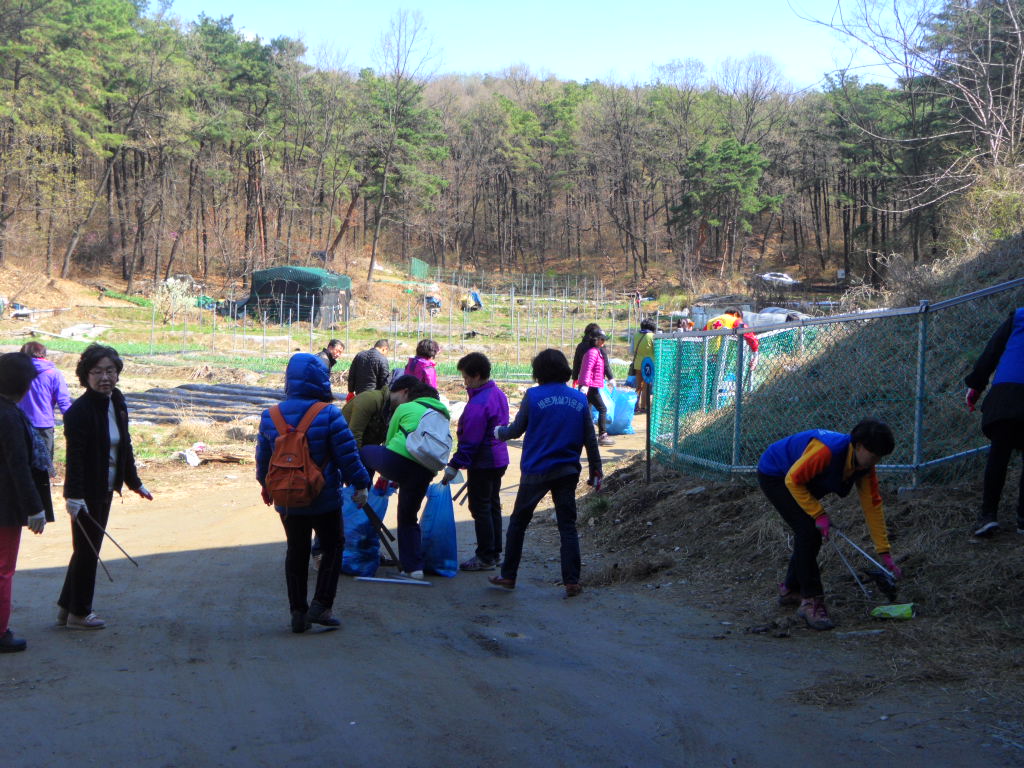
[[201, 402]]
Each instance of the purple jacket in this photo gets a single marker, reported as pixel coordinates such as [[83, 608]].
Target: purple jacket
[[47, 390], [478, 449], [423, 369]]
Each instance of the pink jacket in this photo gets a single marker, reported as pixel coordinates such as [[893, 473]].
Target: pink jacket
[[423, 369], [592, 369]]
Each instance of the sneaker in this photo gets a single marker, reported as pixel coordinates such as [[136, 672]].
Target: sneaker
[[572, 590], [91, 621], [300, 622], [318, 614], [986, 524], [418, 575], [813, 611], [476, 564], [788, 597], [62, 617], [502, 583], [316, 562], [605, 440], [11, 644]]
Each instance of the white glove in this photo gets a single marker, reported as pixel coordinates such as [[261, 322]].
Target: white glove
[[74, 506], [584, 390], [144, 492], [611, 384], [497, 436], [449, 473], [753, 360], [359, 496], [37, 522]]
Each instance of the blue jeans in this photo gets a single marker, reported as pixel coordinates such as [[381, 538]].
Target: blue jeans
[[413, 480], [563, 493]]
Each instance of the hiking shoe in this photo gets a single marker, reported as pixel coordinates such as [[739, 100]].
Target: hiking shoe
[[92, 621], [316, 562], [318, 614], [813, 611], [502, 583], [476, 564], [62, 617], [986, 524], [300, 622], [605, 440], [572, 590], [788, 597], [11, 644], [417, 575]]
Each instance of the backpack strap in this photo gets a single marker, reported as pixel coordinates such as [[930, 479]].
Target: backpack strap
[[312, 413], [283, 427]]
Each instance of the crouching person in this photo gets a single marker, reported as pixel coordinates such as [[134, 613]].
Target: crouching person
[[556, 421], [304, 452], [795, 473]]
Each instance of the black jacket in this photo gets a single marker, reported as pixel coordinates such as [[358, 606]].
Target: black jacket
[[87, 435], [329, 361], [19, 488], [369, 370]]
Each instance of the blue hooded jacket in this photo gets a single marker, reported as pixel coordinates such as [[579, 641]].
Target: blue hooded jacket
[[331, 443]]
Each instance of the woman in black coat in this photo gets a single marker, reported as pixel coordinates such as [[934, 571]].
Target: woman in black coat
[[21, 488], [99, 462]]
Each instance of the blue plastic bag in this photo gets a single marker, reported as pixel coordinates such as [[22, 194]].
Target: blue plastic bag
[[631, 381], [609, 403], [440, 546], [625, 405], [361, 555]]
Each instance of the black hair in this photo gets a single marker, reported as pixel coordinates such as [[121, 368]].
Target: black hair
[[336, 343], [873, 435], [92, 355], [551, 367], [734, 311], [427, 348], [475, 364], [405, 381], [422, 389], [591, 340], [648, 325], [590, 329], [381, 343], [33, 349], [17, 372]]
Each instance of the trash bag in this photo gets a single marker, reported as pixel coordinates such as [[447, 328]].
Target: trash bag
[[361, 555], [625, 404], [440, 547], [609, 403], [631, 381]]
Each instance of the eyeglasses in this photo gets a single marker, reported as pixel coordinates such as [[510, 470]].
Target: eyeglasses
[[110, 373]]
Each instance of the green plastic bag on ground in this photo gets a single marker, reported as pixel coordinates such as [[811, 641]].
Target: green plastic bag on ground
[[897, 611]]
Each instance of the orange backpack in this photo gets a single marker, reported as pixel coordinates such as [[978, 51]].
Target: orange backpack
[[294, 479]]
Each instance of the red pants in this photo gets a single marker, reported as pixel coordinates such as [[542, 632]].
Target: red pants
[[10, 539]]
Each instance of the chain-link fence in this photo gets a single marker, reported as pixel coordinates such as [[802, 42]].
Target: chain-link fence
[[713, 409]]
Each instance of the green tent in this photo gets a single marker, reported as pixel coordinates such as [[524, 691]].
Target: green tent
[[289, 294]]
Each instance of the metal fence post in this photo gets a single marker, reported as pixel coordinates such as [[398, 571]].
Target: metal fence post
[[676, 386], [738, 402], [922, 346]]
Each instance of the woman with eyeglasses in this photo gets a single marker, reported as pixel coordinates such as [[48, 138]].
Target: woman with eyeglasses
[[99, 462]]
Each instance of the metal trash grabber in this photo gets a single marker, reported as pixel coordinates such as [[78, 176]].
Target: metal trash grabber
[[889, 574], [849, 567], [91, 546], [373, 518], [105, 533], [461, 491]]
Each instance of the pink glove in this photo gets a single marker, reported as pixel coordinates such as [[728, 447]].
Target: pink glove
[[972, 398], [889, 563], [823, 524]]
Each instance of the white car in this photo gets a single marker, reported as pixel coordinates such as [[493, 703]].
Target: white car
[[778, 278]]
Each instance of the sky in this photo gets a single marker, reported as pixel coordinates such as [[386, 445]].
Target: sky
[[607, 40]]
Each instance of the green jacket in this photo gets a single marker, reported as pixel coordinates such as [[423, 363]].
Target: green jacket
[[644, 348], [367, 415], [405, 419]]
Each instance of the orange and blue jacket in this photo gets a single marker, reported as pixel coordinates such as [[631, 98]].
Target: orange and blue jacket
[[728, 321], [818, 462]]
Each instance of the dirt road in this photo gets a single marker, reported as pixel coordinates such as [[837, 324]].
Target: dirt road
[[198, 667]]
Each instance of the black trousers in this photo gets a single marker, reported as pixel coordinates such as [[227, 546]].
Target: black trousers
[[1007, 436], [594, 398], [297, 530], [484, 492], [803, 574], [80, 580]]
